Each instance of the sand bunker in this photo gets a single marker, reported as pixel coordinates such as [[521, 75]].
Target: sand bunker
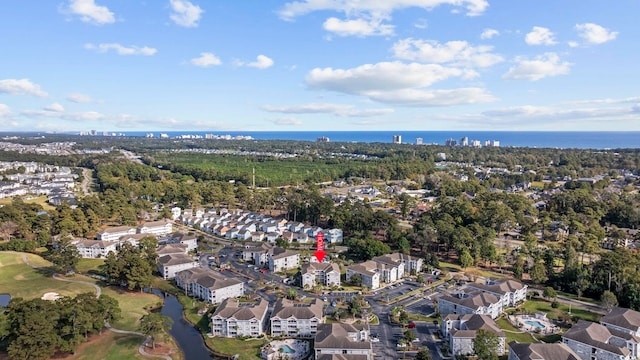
[[51, 296]]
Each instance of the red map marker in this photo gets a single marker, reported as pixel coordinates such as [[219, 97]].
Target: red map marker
[[320, 253]]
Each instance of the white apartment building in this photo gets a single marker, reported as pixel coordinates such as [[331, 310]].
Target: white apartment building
[[169, 265], [291, 319], [233, 318], [114, 233], [210, 286]]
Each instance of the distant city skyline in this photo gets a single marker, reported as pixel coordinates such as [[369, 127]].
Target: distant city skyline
[[313, 65]]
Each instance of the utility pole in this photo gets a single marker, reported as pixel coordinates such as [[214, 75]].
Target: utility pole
[[254, 178]]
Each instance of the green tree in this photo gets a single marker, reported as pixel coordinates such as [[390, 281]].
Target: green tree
[[154, 325], [64, 255], [609, 300], [550, 293], [538, 273], [466, 259], [485, 345], [423, 354]]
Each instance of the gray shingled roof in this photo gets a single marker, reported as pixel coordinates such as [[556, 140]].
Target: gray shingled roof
[[175, 259], [232, 308], [595, 335], [285, 309], [335, 336], [474, 300], [622, 317], [499, 286], [543, 351]]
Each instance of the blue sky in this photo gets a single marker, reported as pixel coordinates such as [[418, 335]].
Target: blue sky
[[251, 65]]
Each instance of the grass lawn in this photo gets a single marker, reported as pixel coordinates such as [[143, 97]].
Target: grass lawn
[[20, 280], [109, 346], [86, 265], [533, 306], [512, 333], [132, 304], [247, 349], [40, 200]]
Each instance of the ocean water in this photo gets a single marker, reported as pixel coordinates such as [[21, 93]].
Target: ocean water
[[536, 139]]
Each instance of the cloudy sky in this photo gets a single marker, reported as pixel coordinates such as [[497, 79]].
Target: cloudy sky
[[251, 65]]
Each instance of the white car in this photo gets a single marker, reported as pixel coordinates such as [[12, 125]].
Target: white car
[[375, 339]]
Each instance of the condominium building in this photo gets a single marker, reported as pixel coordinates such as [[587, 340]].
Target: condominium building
[[292, 319], [233, 318]]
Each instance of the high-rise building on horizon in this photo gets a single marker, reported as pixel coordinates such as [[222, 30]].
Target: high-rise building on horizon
[[418, 141], [397, 139]]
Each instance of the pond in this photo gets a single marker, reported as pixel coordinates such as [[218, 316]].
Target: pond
[[4, 299], [188, 337]]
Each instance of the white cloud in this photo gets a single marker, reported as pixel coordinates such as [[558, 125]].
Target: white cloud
[[538, 68], [421, 24], [489, 33], [262, 62], [540, 36], [381, 76], [122, 50], [326, 108], [21, 87], [185, 13], [459, 53], [398, 83], [55, 107], [629, 100], [206, 59], [357, 27], [294, 9], [89, 12], [81, 98], [84, 116], [595, 34], [433, 98], [5, 111], [573, 44], [289, 120]]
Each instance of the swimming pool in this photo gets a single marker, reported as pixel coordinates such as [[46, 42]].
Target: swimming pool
[[534, 323], [287, 349]]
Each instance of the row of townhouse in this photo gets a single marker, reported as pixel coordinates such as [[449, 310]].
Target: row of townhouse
[[541, 351], [161, 227], [385, 269], [210, 286], [490, 298], [246, 225], [274, 258], [616, 337]]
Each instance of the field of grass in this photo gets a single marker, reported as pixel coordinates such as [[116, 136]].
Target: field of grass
[[40, 200], [533, 306], [89, 265], [246, 349], [20, 280], [514, 334], [109, 346], [132, 305], [269, 171]]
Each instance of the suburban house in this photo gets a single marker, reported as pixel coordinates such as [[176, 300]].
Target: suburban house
[[170, 264], [162, 227], [343, 341], [332, 235], [470, 303], [594, 341], [541, 351], [114, 233], [210, 286], [325, 274], [293, 319], [94, 249], [510, 292], [622, 319], [233, 318], [460, 330], [282, 259]]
